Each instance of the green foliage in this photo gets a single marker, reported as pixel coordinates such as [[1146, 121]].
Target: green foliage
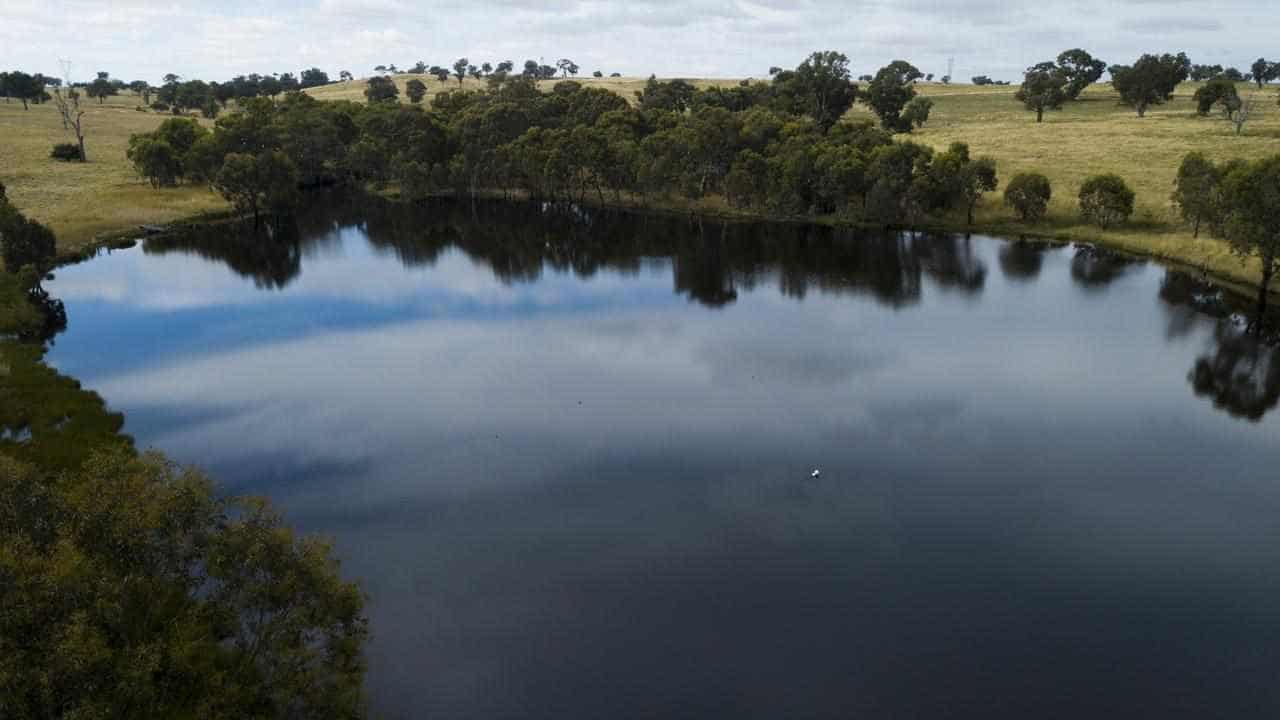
[[917, 111], [672, 96], [381, 89], [1106, 200], [1196, 190], [155, 160], [1028, 194], [1264, 72], [129, 589], [101, 88], [1080, 70], [1042, 90], [313, 77], [162, 156], [1150, 81], [1218, 90], [1250, 213], [24, 242], [23, 86], [415, 90], [890, 91], [268, 181], [820, 87]]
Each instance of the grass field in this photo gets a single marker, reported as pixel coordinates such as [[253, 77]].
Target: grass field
[[81, 201], [1090, 136]]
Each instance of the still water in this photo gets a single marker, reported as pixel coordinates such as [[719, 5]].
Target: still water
[[570, 456]]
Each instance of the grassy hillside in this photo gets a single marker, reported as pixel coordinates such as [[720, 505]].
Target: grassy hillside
[[1097, 135], [79, 201], [354, 90], [1090, 136]]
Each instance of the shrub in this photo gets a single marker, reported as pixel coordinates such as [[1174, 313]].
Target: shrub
[[67, 152], [154, 160], [159, 106], [917, 111], [1106, 200], [1028, 194]]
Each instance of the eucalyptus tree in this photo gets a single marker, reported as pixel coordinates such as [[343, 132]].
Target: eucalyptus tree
[[1150, 81], [1196, 189], [1250, 219], [821, 87], [1264, 71], [890, 91], [415, 90], [381, 89], [1080, 70], [1042, 90], [101, 88]]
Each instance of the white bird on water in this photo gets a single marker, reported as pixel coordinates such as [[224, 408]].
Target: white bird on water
[[815, 474]]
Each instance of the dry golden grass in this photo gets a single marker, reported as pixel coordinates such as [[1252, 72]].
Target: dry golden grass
[[81, 201], [354, 89], [1097, 135]]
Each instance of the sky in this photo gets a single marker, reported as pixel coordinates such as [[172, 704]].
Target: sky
[[216, 40]]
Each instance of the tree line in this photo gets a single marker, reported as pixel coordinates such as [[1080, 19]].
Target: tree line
[[779, 145], [1149, 81], [782, 147], [174, 93]]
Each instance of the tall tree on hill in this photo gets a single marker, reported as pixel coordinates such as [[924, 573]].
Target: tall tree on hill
[[460, 69], [820, 87], [415, 89], [1200, 73], [345, 76], [314, 77], [381, 89], [890, 91], [1042, 90], [1264, 71], [142, 89], [1080, 70], [24, 87], [101, 88], [1150, 81], [567, 67]]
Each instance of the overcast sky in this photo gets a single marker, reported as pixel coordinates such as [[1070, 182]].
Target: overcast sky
[[215, 40]]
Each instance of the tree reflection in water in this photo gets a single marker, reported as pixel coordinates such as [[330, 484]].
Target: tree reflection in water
[[1240, 370], [710, 261]]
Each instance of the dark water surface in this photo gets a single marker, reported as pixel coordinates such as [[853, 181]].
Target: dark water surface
[[569, 455]]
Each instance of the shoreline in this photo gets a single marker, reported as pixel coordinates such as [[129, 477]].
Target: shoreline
[[1242, 280]]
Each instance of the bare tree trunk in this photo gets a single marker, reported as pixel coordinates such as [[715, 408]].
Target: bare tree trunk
[[1268, 268], [1039, 114]]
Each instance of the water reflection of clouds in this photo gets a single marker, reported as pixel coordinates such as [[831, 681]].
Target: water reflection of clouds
[[188, 282], [562, 491]]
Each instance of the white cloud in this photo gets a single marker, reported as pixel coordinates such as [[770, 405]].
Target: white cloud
[[728, 38]]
